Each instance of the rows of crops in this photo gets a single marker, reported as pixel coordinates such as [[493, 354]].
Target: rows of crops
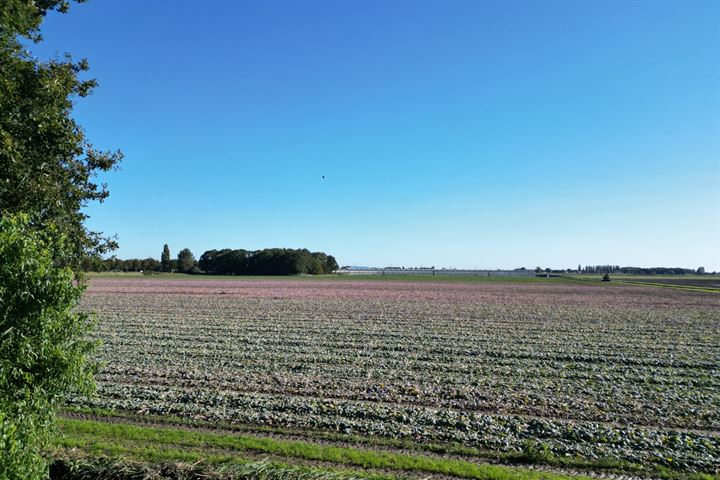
[[627, 373]]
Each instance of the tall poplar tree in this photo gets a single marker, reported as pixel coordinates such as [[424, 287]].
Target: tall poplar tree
[[165, 259]]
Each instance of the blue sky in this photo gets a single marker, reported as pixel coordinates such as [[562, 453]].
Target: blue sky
[[463, 134]]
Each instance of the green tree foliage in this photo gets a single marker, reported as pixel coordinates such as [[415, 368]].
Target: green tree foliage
[[48, 168], [23, 17], [637, 270], [224, 262], [43, 348], [149, 264], [48, 173], [331, 264], [270, 261], [185, 261], [165, 258], [114, 264]]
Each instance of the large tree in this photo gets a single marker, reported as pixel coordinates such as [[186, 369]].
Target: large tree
[[48, 168], [44, 347], [48, 173], [331, 264], [165, 258], [185, 260]]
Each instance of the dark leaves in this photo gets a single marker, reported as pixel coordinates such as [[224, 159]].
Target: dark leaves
[[48, 169]]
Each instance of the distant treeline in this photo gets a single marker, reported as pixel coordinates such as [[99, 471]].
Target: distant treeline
[[269, 261], [640, 270], [113, 264]]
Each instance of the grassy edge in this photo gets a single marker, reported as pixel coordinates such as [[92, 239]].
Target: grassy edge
[[129, 467], [621, 281], [514, 458], [103, 438], [688, 288], [163, 444]]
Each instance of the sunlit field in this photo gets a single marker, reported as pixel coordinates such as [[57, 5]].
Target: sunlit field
[[578, 377]]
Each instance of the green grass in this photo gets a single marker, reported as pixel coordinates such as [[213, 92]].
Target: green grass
[[454, 449], [650, 281], [173, 444], [689, 276], [155, 444], [605, 465], [118, 469], [530, 456], [690, 288]]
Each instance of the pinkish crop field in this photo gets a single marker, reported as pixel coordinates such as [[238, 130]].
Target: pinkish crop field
[[593, 377]]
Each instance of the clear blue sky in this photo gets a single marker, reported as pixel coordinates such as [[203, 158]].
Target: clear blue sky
[[465, 134]]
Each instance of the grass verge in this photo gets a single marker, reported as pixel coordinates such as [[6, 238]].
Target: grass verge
[[533, 455], [162, 444], [118, 469], [689, 288]]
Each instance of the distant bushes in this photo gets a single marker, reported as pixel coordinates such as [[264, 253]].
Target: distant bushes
[[113, 264], [637, 270], [270, 261]]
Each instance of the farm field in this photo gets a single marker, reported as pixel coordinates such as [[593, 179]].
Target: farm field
[[706, 281], [439, 278], [709, 283], [694, 282], [398, 378]]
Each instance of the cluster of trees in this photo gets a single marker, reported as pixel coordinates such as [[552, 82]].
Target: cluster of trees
[[549, 270], [627, 270], [640, 270], [599, 269], [270, 261], [114, 264], [184, 263]]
